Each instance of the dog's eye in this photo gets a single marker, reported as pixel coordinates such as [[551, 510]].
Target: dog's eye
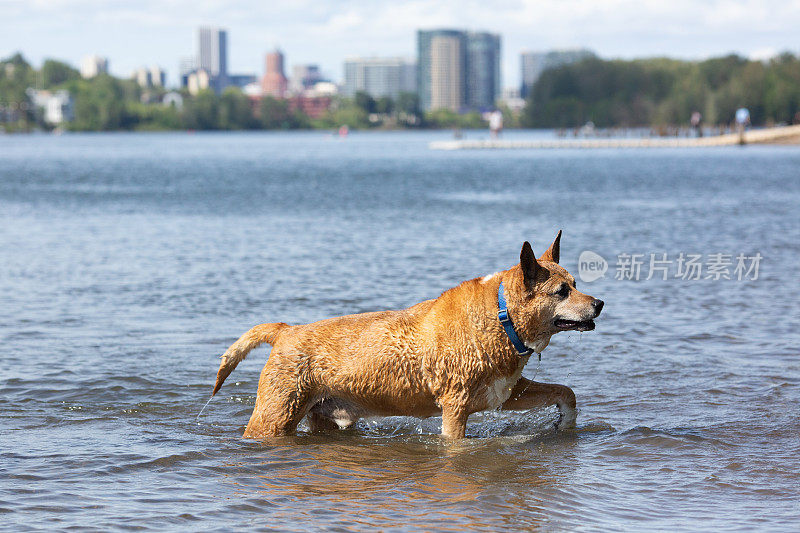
[[563, 290]]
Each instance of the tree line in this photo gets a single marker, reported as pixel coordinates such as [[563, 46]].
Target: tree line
[[107, 103], [609, 93], [655, 92]]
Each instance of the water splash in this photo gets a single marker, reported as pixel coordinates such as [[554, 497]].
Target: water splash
[[203, 409]]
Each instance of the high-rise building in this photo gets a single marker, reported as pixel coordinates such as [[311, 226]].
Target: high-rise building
[[458, 70], [94, 65], [158, 76], [534, 63], [199, 80], [448, 73], [274, 82], [212, 51], [441, 66], [483, 70], [150, 76], [186, 66], [142, 77], [304, 77], [379, 77]]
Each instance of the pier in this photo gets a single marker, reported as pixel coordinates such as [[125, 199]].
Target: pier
[[778, 135]]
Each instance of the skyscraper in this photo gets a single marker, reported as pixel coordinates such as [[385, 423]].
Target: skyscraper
[[441, 66], [534, 63], [274, 82], [483, 70], [458, 70], [212, 55], [379, 77]]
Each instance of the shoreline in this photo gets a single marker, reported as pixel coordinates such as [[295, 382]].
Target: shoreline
[[783, 135]]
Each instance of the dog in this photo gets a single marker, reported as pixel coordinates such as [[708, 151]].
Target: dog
[[458, 354]]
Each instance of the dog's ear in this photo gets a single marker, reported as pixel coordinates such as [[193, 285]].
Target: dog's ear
[[553, 253], [527, 261]]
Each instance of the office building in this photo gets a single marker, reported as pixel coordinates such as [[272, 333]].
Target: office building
[[93, 65], [483, 70], [150, 76], [379, 77], [212, 56], [458, 70], [441, 67], [535, 63], [274, 82], [199, 80], [212, 51], [186, 66], [158, 76], [304, 77]]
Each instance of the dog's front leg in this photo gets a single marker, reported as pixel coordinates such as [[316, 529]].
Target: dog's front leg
[[528, 394], [454, 421]]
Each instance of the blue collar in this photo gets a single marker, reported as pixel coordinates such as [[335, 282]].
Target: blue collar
[[505, 320]]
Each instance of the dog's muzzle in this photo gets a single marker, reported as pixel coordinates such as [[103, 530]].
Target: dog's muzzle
[[580, 325]]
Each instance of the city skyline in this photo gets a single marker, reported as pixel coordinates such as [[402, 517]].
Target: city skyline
[[146, 32]]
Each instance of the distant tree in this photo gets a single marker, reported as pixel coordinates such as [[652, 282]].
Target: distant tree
[[155, 116], [446, 118], [17, 60], [643, 92], [663, 91], [235, 112], [408, 107], [300, 120], [55, 72], [365, 101], [101, 104], [16, 75], [200, 112], [408, 103], [345, 112], [274, 114], [384, 105]]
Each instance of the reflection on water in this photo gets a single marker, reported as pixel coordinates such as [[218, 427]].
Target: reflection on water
[[405, 480], [130, 262]]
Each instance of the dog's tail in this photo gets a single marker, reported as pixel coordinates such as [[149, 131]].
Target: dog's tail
[[247, 342]]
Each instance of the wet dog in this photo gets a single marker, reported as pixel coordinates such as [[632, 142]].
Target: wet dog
[[456, 355]]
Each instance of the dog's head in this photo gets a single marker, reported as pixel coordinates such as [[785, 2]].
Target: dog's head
[[544, 300]]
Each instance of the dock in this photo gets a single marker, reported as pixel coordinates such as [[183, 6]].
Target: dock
[[778, 135]]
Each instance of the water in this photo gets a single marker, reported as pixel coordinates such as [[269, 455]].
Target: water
[[131, 261]]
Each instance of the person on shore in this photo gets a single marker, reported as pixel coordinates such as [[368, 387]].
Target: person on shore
[[696, 121], [742, 121], [495, 123]]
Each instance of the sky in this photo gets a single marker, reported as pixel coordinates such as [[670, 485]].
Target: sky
[[133, 33]]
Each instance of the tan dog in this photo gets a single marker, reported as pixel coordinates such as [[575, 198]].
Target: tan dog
[[449, 356]]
